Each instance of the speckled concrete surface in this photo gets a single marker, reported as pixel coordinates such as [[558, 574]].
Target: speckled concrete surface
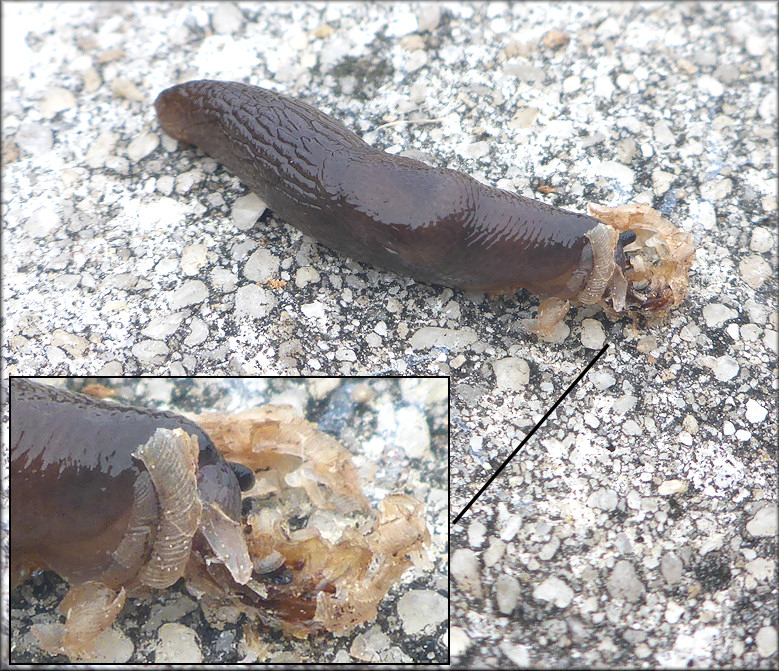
[[370, 417], [638, 527]]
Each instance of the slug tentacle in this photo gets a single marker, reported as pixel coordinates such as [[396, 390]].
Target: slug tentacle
[[433, 224]]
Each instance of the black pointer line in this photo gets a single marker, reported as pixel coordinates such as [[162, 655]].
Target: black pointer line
[[527, 437]]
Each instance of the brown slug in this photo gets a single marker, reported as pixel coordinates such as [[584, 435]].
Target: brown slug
[[434, 224], [118, 500], [74, 472]]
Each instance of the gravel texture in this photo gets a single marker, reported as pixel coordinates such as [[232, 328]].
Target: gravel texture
[[638, 526], [367, 417]]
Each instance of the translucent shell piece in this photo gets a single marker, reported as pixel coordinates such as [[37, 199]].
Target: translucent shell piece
[[171, 460]]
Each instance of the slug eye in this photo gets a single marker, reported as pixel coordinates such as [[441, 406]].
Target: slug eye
[[244, 475]]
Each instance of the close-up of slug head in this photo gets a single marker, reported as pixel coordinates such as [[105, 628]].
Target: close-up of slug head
[[120, 500], [172, 497], [636, 264], [67, 448]]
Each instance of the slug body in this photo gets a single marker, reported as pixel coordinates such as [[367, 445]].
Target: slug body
[[75, 475], [435, 224]]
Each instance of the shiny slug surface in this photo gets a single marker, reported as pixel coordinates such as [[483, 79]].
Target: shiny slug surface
[[73, 474]]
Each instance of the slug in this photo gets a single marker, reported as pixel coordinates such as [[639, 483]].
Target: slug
[[120, 500], [436, 225], [116, 496]]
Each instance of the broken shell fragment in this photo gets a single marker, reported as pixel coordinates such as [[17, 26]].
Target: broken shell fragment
[[89, 609], [171, 460], [659, 258], [323, 584], [269, 562], [226, 539]]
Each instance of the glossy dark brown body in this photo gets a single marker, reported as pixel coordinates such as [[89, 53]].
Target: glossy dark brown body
[[72, 474], [433, 224]]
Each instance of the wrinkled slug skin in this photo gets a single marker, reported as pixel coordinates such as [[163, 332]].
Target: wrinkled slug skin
[[433, 224], [72, 474]]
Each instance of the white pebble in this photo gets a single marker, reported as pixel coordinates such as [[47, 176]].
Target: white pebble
[[762, 240], [254, 301], [459, 641], [403, 23], [147, 351], [725, 368], [555, 590], [307, 275], [434, 336], [112, 647], [56, 99], [593, 336], [603, 499], [766, 640], [756, 45], [142, 146], [465, 571], [511, 373], [193, 257], [518, 654], [246, 210], [191, 292], [756, 413], [163, 326], [670, 487], [631, 428], [476, 533], [41, 222], [315, 310], [507, 591], [764, 523], [673, 612], [261, 266], [717, 313], [755, 270], [510, 528], [422, 608], [603, 379], [177, 644], [413, 433], [625, 404], [708, 84]]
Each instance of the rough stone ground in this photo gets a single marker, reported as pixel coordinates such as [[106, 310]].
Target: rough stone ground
[[370, 417], [638, 528]]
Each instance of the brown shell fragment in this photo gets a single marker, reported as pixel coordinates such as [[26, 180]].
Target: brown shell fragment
[[660, 260], [171, 458], [649, 281], [285, 450], [327, 584], [89, 608], [400, 533]]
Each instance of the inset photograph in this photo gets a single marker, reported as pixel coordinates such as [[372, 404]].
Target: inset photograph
[[229, 520]]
